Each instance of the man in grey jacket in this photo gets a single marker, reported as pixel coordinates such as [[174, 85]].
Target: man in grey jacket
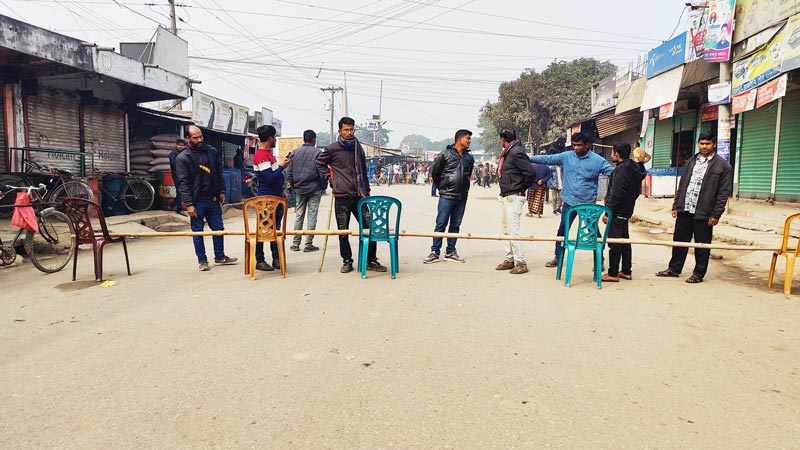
[[305, 180]]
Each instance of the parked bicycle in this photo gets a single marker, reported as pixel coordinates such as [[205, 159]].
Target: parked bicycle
[[51, 249], [137, 194], [60, 183]]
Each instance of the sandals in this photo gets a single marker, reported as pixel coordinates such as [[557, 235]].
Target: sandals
[[667, 273], [625, 276], [694, 280]]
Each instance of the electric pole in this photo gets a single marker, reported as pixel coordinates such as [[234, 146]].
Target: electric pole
[[333, 91], [173, 27], [380, 106]]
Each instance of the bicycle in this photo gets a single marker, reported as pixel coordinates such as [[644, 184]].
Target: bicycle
[[59, 182], [51, 249], [136, 195]]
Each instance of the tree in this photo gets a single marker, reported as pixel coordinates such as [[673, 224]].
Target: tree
[[417, 141], [368, 136], [489, 138], [323, 138]]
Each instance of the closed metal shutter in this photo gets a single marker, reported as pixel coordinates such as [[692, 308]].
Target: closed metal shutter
[[104, 131], [609, 124], [788, 181], [54, 124], [662, 144], [3, 148], [757, 150]]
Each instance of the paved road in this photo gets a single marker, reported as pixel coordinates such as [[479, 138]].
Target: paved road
[[445, 356]]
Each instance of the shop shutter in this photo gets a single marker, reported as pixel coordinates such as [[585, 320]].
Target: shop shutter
[[757, 150], [54, 124], [104, 131], [662, 144], [3, 148], [609, 124], [788, 181]]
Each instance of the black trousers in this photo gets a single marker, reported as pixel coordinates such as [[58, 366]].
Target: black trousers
[[618, 228], [344, 208], [686, 227]]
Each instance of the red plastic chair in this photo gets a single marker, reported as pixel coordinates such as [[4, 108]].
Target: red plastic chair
[[80, 211]]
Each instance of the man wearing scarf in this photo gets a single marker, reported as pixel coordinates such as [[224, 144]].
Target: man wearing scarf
[[345, 165]]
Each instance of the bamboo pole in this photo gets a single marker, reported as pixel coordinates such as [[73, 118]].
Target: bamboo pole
[[325, 243]]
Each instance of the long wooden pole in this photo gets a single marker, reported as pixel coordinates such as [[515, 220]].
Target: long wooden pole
[[325, 241]]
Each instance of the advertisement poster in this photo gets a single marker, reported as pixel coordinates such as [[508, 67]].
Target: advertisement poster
[[709, 113], [666, 111], [744, 102], [698, 20], [752, 16], [718, 30], [604, 94], [758, 68], [771, 91], [216, 114], [666, 56], [719, 94], [791, 44]]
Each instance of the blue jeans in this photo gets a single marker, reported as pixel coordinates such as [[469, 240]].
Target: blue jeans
[[211, 212], [449, 211], [273, 246], [433, 188], [561, 225]]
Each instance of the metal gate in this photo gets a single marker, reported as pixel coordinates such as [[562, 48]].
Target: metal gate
[[54, 124], [662, 144], [104, 131], [788, 181], [757, 150]]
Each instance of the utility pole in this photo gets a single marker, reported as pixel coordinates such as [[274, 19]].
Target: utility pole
[[173, 27], [380, 118], [333, 91]]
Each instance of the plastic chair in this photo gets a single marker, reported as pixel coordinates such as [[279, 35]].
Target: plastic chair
[[379, 208], [588, 216], [266, 207], [80, 211], [790, 256]]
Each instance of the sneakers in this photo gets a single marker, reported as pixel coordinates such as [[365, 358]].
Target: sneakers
[[264, 266], [453, 257], [519, 268], [225, 260], [505, 265], [310, 248], [552, 263], [431, 258], [295, 248], [347, 267], [376, 266], [203, 266]]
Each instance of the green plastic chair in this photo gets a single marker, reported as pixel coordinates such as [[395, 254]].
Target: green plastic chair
[[588, 224], [379, 208]]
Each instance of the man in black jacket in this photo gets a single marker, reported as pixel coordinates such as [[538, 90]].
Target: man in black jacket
[[515, 174], [705, 186], [345, 163], [451, 171], [202, 190], [305, 180], [624, 187], [180, 145]]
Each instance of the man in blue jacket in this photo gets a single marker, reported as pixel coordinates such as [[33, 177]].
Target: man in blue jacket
[[581, 169]]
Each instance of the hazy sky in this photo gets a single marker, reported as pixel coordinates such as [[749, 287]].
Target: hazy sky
[[440, 60]]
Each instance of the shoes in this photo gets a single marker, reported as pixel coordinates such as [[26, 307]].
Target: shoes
[[203, 266], [376, 266], [505, 265], [625, 276], [310, 248], [552, 263], [183, 213], [347, 267], [453, 257], [668, 274], [432, 258], [608, 278], [434, 195], [276, 263], [264, 266], [519, 268], [295, 248], [225, 260], [555, 212]]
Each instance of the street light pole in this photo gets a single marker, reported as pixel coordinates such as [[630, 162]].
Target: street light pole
[[333, 91]]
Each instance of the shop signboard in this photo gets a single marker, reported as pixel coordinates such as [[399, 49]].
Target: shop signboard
[[666, 111], [216, 114], [758, 68], [698, 20], [791, 44], [743, 102], [603, 94], [771, 91], [719, 94], [718, 31], [667, 56], [752, 16], [709, 113]]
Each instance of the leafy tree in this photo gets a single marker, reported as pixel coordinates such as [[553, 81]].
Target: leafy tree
[[489, 138], [418, 141], [368, 136], [323, 138]]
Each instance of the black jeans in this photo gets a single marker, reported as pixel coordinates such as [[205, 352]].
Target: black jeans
[[618, 228], [344, 207], [686, 227]]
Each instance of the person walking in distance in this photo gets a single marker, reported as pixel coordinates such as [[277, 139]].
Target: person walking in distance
[[624, 187], [514, 174], [202, 190], [555, 184], [581, 169], [306, 182], [537, 190], [345, 164], [180, 145], [703, 192], [451, 172], [269, 174]]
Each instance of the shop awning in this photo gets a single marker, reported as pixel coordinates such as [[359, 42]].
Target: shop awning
[[662, 89], [699, 71], [183, 120], [609, 123], [631, 97]]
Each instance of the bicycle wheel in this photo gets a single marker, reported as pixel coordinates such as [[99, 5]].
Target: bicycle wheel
[[7, 202], [70, 189], [54, 245], [138, 195]]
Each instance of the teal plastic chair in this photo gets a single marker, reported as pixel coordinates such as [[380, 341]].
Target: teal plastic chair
[[379, 208], [588, 222]]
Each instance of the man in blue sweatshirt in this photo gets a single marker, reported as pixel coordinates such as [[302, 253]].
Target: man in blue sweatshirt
[[581, 169], [270, 182]]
